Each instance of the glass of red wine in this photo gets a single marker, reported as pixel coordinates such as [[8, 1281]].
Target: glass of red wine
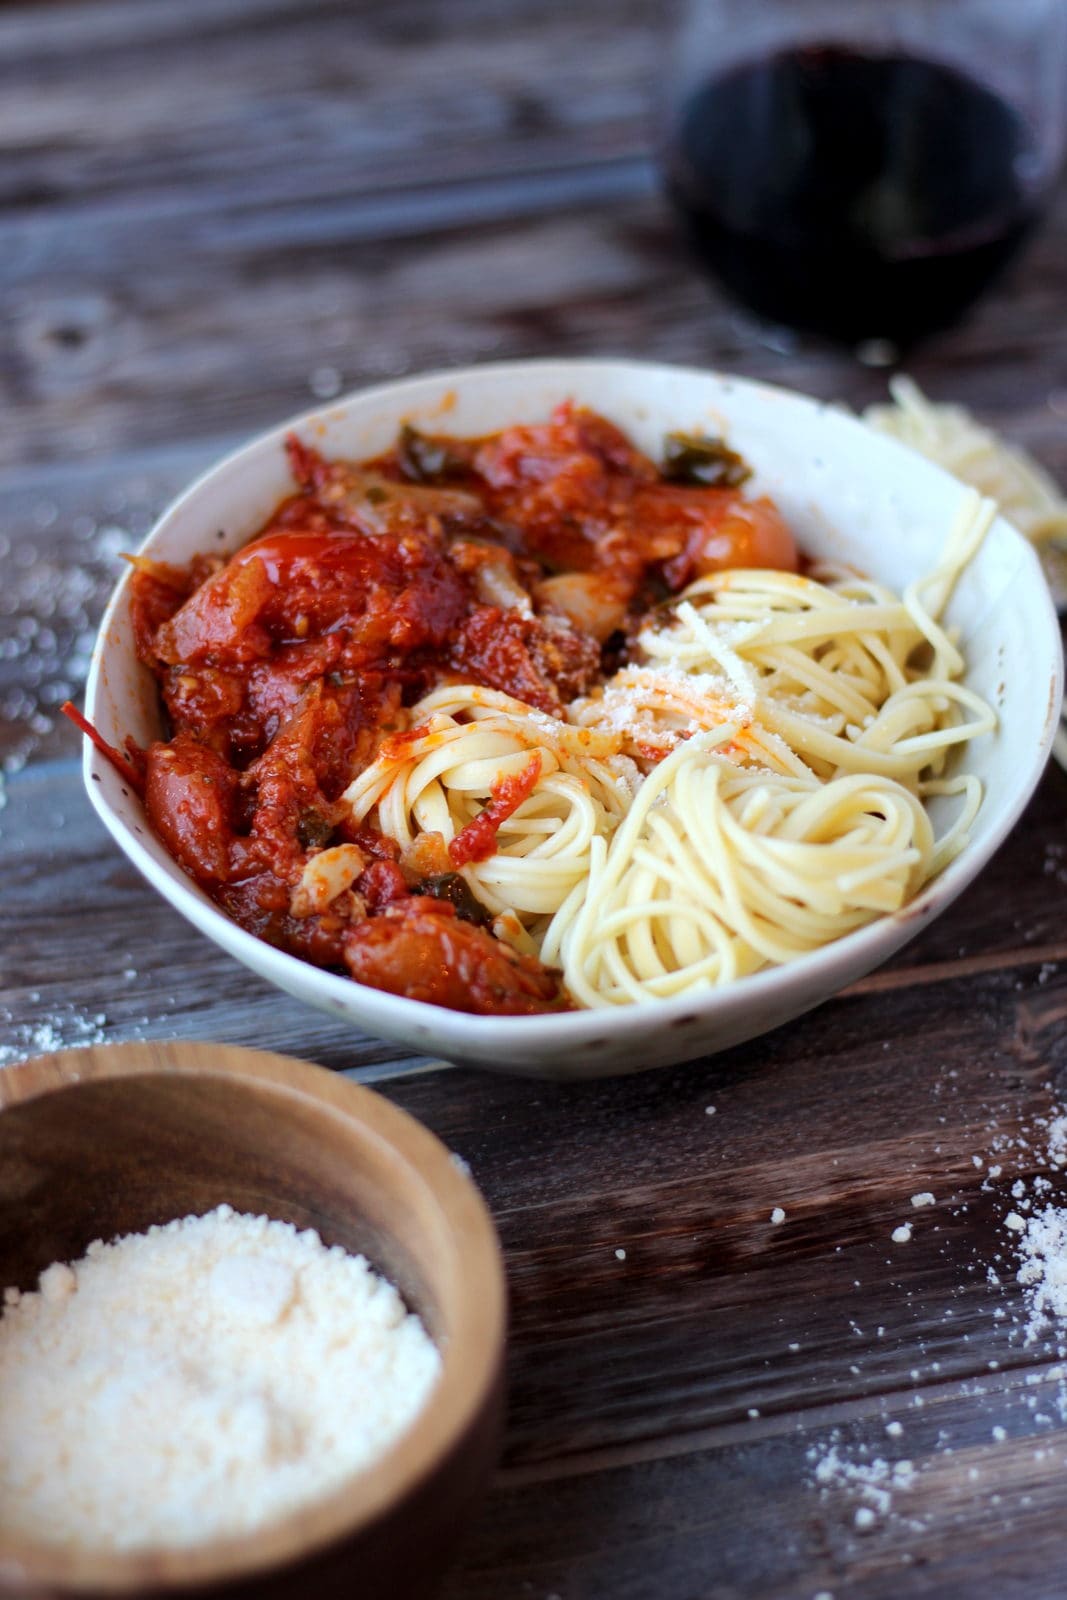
[[863, 169]]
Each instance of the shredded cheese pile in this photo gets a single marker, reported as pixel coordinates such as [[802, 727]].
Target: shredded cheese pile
[[197, 1381]]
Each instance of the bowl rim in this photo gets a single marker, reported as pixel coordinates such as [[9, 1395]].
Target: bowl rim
[[471, 1357], [450, 1032]]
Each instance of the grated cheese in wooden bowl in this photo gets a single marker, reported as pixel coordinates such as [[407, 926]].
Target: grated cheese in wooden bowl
[[198, 1380]]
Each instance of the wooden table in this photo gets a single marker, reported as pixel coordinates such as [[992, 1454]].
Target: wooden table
[[214, 213]]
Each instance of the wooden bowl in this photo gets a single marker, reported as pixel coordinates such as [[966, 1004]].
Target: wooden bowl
[[100, 1142]]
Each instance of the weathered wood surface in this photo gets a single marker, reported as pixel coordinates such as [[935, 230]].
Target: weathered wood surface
[[211, 215]]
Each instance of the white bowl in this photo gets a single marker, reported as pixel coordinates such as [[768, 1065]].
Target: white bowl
[[849, 494]]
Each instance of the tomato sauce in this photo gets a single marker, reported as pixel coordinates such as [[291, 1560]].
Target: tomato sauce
[[477, 841], [522, 562]]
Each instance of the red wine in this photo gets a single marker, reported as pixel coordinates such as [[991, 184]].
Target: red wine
[[855, 196]]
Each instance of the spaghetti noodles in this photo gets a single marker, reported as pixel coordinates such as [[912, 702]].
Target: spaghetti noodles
[[439, 778], [719, 870], [949, 435]]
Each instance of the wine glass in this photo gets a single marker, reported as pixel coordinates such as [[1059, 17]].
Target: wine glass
[[863, 171]]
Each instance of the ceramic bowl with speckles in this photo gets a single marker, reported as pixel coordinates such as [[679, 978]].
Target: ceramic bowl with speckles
[[850, 495]]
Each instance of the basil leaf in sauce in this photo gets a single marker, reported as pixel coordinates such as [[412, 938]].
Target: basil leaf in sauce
[[703, 462], [426, 460], [451, 886]]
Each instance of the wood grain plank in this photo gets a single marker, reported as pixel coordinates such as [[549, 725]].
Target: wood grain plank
[[713, 1306], [747, 1520], [546, 235], [341, 107]]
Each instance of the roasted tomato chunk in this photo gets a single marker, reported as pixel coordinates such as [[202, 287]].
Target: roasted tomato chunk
[[422, 950], [190, 795]]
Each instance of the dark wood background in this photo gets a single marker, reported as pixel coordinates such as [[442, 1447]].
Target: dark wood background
[[212, 214]]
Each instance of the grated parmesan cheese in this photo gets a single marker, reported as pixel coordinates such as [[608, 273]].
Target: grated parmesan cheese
[[198, 1380], [1043, 1273]]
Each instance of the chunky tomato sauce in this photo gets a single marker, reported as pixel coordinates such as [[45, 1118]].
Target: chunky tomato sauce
[[523, 562]]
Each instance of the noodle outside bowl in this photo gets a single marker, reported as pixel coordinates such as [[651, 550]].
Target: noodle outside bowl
[[850, 495], [99, 1142]]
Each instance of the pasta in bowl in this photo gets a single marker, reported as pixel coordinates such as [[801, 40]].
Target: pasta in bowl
[[626, 796]]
